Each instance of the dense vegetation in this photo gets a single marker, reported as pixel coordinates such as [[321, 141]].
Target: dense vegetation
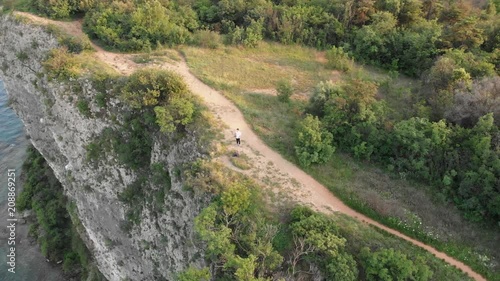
[[245, 241], [462, 163], [54, 230], [451, 138], [451, 44], [157, 102], [402, 35]]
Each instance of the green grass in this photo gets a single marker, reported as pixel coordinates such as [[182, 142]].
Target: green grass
[[360, 235], [403, 205], [17, 5]]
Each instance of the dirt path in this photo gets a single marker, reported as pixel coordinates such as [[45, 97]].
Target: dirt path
[[269, 167]]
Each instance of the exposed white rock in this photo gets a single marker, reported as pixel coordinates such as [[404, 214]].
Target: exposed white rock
[[163, 242]]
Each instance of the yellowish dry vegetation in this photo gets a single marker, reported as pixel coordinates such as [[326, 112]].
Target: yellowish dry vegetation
[[249, 69]]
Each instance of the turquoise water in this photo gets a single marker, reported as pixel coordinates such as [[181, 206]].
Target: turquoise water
[[12, 140], [30, 264]]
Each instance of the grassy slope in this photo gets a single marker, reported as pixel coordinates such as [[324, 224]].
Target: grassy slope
[[243, 74]]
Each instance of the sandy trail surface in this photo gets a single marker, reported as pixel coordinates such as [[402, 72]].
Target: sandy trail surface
[[269, 168]]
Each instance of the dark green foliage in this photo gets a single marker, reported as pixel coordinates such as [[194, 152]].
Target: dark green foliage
[[140, 25], [133, 143], [133, 191], [163, 92], [248, 36], [83, 107], [101, 100], [55, 9], [322, 233], [405, 36], [314, 144], [462, 163], [133, 195], [409, 50], [160, 175], [54, 229], [388, 264], [238, 234], [285, 90], [338, 59], [22, 56], [75, 45]]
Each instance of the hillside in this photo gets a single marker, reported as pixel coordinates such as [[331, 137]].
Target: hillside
[[362, 111]]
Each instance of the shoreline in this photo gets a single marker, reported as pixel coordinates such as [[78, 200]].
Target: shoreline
[[30, 263]]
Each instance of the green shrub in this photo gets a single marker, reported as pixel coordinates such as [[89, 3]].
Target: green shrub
[[313, 144], [75, 45], [83, 107], [194, 274], [338, 59], [207, 39], [22, 56], [140, 25], [388, 264], [248, 36], [60, 64], [101, 100], [164, 92], [53, 228], [285, 90], [55, 8]]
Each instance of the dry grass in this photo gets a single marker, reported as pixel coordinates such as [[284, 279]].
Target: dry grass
[[257, 68], [90, 64], [240, 71], [240, 160]]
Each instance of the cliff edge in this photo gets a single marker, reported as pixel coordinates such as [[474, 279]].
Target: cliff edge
[[159, 242]]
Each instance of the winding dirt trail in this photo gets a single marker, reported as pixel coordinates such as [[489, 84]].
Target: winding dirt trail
[[303, 188]]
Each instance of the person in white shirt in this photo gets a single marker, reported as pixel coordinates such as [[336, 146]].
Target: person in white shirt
[[237, 134]]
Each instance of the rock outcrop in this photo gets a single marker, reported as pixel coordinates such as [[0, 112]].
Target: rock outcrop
[[161, 244]]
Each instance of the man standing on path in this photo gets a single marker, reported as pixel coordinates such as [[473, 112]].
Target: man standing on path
[[237, 134]]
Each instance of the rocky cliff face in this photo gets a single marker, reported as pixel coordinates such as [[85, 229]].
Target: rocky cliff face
[[161, 244]]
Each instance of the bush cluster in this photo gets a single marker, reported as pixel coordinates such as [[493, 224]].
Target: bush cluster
[[404, 36], [461, 163], [53, 229]]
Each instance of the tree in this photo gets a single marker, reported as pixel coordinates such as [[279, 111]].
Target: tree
[[238, 236], [465, 34], [322, 244], [285, 90], [391, 6], [388, 265], [470, 104], [244, 267], [410, 12], [165, 93], [178, 111], [338, 59], [313, 144], [432, 9], [217, 236]]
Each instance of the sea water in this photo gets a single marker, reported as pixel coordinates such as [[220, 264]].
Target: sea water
[[30, 265]]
